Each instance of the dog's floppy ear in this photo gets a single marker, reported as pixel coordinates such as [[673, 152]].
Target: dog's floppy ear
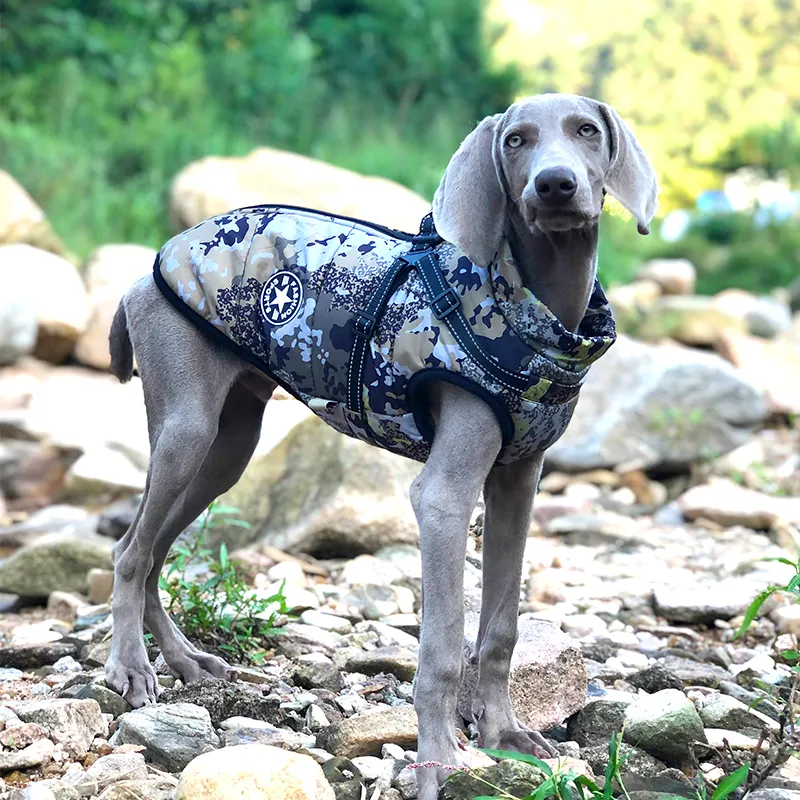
[[630, 177], [469, 207]]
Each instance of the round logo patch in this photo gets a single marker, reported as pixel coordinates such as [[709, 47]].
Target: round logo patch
[[281, 298]]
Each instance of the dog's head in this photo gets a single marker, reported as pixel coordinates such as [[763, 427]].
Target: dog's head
[[552, 156]]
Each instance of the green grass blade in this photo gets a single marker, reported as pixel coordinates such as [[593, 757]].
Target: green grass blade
[[731, 782], [752, 611]]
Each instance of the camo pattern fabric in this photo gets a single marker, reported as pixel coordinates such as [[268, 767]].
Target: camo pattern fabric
[[285, 285]]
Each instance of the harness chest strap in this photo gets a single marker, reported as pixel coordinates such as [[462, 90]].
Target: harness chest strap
[[445, 304]]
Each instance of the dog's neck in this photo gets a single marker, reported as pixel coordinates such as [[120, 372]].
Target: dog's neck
[[558, 267]]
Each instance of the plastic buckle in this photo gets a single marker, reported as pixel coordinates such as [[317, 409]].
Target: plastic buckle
[[452, 302], [364, 324], [413, 256]]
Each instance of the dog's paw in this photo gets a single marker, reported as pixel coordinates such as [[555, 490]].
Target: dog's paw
[[135, 680], [190, 664], [520, 740]]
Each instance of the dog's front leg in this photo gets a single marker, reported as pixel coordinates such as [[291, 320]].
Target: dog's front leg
[[509, 495], [445, 493]]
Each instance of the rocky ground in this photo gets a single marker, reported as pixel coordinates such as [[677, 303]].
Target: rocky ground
[[676, 482], [629, 608]]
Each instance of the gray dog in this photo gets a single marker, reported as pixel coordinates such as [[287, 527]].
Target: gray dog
[[482, 328]]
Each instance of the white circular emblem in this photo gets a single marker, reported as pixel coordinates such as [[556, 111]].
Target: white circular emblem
[[281, 298]]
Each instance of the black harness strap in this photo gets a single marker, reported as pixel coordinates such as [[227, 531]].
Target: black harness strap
[[445, 304], [367, 319]]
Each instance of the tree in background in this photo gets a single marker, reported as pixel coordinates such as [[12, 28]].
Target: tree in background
[[103, 102], [694, 76]]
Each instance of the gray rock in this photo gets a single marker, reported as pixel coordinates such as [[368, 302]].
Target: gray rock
[[696, 673], [548, 675], [36, 655], [118, 517], [318, 675], [657, 406], [241, 730], [326, 494], [22, 734], [345, 778], [109, 701], [296, 639], [223, 700], [698, 604], [162, 788], [44, 790], [515, 778], [392, 660], [599, 718], [116, 767], [363, 734], [54, 563], [328, 622], [83, 784], [31, 756], [655, 678], [665, 725], [73, 723], [634, 760], [794, 295], [753, 698], [18, 323], [724, 711], [774, 794], [172, 735]]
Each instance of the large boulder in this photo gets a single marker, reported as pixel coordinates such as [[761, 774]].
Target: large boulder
[[57, 293], [21, 219], [771, 365], [657, 405], [692, 320], [548, 675], [76, 407], [253, 772], [321, 492], [18, 323], [54, 563], [764, 316], [214, 185], [109, 273], [673, 275], [172, 735]]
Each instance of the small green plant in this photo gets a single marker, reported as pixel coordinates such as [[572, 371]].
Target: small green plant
[[211, 602], [788, 738], [565, 784]]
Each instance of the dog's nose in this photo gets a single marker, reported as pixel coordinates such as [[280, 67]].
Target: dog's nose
[[556, 185]]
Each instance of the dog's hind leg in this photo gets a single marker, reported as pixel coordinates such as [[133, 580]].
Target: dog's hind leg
[[239, 428], [444, 494], [508, 494], [185, 381]]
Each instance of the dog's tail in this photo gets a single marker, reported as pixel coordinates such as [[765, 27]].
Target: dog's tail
[[119, 341]]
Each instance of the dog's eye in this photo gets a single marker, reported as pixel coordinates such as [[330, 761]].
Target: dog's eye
[[515, 140], [587, 130]]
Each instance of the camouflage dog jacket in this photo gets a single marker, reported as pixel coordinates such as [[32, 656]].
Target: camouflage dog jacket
[[356, 320]]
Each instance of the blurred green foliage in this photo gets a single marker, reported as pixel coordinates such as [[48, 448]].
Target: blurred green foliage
[[102, 103], [732, 250]]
